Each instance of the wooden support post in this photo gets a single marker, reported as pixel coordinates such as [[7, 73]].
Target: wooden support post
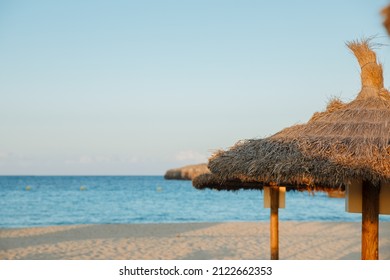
[[370, 220], [274, 222]]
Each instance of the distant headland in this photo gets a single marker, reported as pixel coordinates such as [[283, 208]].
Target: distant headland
[[187, 172]]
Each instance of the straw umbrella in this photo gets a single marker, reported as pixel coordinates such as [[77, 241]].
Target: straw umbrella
[[347, 142], [281, 163]]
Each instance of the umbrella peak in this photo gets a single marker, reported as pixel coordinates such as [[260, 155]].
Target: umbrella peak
[[371, 71]]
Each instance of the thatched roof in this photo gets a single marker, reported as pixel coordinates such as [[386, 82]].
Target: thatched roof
[[211, 181], [348, 140], [186, 172], [386, 15]]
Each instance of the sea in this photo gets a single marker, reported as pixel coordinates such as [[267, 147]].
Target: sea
[[34, 201]]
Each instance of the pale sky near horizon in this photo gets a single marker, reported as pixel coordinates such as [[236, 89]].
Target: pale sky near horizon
[[138, 87]]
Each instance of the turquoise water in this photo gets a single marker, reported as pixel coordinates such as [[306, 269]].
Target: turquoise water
[[64, 200]]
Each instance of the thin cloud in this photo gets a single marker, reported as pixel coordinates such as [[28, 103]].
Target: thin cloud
[[190, 155], [88, 160]]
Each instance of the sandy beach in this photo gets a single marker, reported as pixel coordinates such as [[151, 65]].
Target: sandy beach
[[189, 241]]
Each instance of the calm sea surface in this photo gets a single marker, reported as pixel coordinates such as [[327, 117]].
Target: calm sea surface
[[55, 200]]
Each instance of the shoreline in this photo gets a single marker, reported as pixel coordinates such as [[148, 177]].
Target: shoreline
[[189, 241]]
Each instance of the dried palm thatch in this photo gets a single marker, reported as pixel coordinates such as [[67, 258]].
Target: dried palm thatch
[[211, 181], [386, 15], [347, 141], [186, 172]]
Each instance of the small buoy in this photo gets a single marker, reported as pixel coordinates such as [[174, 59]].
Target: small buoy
[[28, 188], [83, 188], [159, 189]]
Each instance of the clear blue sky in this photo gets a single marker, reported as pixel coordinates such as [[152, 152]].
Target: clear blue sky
[[138, 87]]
